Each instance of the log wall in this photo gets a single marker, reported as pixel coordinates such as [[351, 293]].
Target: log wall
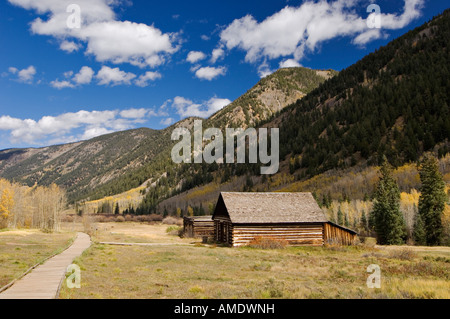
[[333, 234], [223, 231], [198, 227], [188, 225], [294, 235]]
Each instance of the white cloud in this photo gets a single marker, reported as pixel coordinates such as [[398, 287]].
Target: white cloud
[[168, 121], [136, 113], [68, 74], [289, 63], [217, 54], [106, 76], [195, 68], [110, 76], [216, 104], [295, 30], [128, 42], [264, 69], [9, 123], [61, 84], [94, 132], [209, 73], [195, 56], [106, 38], [204, 37], [30, 131], [13, 70], [412, 10], [84, 76], [187, 108], [69, 127], [24, 75], [69, 46], [366, 37], [143, 80]]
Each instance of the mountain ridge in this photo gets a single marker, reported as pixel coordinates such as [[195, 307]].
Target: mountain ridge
[[85, 165]]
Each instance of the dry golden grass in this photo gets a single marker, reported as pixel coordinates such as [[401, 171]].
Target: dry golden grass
[[21, 249], [131, 232], [199, 271]]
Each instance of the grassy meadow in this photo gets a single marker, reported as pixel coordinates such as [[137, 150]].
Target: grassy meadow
[[22, 249], [184, 268]]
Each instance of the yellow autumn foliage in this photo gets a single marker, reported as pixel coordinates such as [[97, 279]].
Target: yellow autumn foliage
[[37, 206], [6, 205]]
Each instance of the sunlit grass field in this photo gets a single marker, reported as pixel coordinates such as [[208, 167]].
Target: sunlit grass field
[[200, 271], [22, 249]]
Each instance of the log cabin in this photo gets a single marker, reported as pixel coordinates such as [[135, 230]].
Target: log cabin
[[198, 226], [240, 218]]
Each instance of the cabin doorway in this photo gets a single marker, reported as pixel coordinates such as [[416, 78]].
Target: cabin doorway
[[224, 232]]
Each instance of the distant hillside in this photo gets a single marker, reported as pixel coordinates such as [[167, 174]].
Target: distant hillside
[[115, 163], [269, 96], [84, 165]]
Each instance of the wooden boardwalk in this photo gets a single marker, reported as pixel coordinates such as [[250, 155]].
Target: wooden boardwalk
[[43, 282]]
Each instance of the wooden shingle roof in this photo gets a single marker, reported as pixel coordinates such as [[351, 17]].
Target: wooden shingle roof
[[271, 208]]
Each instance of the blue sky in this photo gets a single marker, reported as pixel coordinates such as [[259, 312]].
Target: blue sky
[[131, 64]]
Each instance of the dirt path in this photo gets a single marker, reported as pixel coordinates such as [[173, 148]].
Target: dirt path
[[43, 282], [144, 244]]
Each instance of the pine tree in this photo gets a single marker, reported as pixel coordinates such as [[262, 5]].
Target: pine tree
[[364, 221], [419, 233], [389, 222], [201, 210], [371, 221], [116, 210], [432, 199]]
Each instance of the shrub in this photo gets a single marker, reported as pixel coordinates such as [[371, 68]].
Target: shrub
[[169, 220], [120, 219], [370, 242], [141, 219], [104, 219], [155, 218], [268, 243], [174, 230], [148, 218], [128, 218], [403, 254]]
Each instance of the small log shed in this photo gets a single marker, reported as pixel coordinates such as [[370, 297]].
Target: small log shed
[[239, 218], [198, 226]]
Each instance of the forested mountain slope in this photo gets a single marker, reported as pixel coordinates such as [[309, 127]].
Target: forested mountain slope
[[393, 102]]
